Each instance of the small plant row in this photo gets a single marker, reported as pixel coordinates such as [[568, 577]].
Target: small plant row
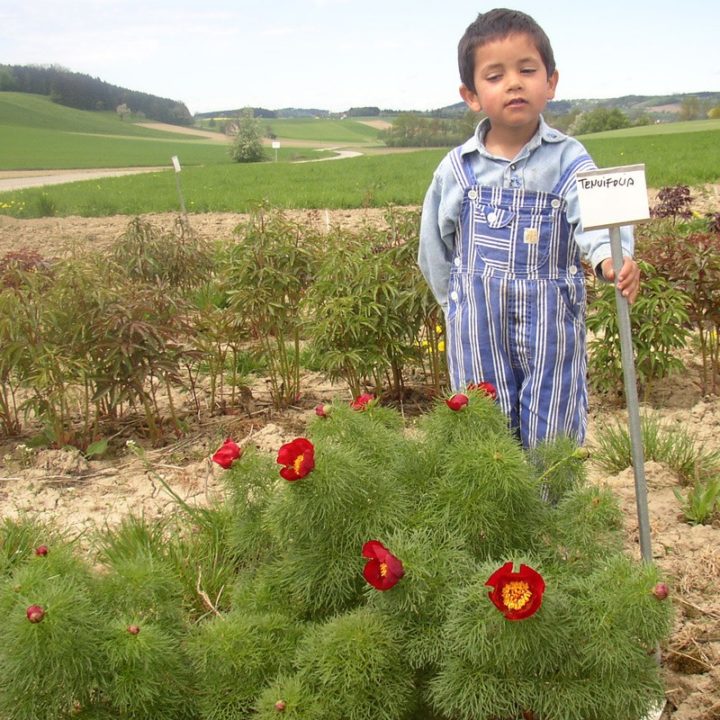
[[679, 255], [363, 573], [697, 469], [165, 318], [86, 340]]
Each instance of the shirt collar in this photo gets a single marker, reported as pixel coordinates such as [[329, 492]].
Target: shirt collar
[[544, 134]]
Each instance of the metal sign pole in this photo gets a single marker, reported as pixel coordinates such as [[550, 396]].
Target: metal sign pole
[[176, 166], [631, 399]]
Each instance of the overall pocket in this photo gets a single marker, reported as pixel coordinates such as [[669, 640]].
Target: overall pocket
[[510, 240]]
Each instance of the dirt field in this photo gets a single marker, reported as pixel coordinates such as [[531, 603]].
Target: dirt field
[[80, 494]]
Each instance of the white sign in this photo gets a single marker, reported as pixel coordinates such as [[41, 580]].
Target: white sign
[[612, 196], [176, 163], [275, 145]]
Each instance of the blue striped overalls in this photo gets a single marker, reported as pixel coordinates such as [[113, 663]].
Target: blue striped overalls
[[516, 307]]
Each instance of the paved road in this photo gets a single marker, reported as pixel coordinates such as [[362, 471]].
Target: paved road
[[19, 180]]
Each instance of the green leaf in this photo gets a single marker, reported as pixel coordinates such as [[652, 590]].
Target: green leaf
[[99, 447]]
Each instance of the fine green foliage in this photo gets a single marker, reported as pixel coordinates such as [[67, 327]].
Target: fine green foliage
[[18, 539], [490, 666], [357, 659], [670, 445], [146, 674], [302, 632], [143, 589], [235, 656], [47, 667]]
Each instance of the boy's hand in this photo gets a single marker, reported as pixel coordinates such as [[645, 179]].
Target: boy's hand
[[629, 280]]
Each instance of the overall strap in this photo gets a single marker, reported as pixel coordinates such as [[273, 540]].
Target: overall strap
[[461, 168], [583, 162]]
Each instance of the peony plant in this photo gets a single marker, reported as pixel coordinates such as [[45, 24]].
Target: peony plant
[[370, 572]]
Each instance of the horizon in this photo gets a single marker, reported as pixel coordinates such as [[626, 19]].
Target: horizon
[[328, 54]]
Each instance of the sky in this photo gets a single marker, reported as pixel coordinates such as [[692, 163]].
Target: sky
[[337, 54]]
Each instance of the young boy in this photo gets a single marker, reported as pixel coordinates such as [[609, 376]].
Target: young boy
[[501, 241]]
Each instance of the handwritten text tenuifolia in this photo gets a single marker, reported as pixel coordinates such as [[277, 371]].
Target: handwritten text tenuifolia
[[589, 183]]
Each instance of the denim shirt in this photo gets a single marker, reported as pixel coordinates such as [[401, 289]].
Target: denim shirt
[[537, 167]]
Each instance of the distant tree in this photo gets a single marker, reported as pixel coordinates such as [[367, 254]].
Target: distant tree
[[7, 80], [87, 93], [413, 130], [714, 113], [599, 120], [122, 110], [642, 119], [467, 123], [561, 118], [247, 146], [690, 108], [370, 111]]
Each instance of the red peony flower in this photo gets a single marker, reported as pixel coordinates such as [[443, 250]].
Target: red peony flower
[[41, 550], [227, 454], [517, 595], [661, 591], [488, 388], [298, 457], [322, 410], [362, 401], [457, 402], [383, 569], [35, 613], [134, 629]]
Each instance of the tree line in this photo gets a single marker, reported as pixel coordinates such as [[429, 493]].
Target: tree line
[[84, 92]]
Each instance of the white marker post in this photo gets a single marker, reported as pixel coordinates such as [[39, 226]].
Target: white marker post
[[176, 165], [609, 198], [276, 147]]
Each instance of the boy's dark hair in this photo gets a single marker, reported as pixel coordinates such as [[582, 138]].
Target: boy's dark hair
[[497, 24]]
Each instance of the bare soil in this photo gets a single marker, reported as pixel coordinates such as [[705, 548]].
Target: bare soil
[[83, 495]]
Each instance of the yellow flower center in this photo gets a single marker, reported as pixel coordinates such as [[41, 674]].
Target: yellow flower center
[[516, 594], [383, 569], [298, 463]]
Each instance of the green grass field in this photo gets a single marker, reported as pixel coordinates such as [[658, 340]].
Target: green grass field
[[37, 134], [351, 131], [345, 132]]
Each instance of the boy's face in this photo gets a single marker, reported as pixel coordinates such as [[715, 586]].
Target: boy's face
[[511, 83]]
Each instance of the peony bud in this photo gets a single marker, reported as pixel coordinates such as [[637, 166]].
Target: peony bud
[[41, 550], [35, 613], [661, 591], [362, 401], [227, 454], [457, 402], [488, 388], [322, 410], [133, 629], [280, 705], [581, 453]]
